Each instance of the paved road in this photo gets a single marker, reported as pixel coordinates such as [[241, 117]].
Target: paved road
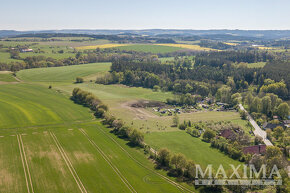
[[258, 131]]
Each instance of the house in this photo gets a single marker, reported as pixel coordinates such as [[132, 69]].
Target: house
[[286, 123], [228, 134], [255, 149], [271, 126], [26, 50]]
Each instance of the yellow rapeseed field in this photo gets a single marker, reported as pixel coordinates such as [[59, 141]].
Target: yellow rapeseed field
[[100, 46], [187, 46], [265, 48]]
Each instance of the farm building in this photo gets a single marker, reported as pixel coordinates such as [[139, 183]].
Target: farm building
[[286, 123], [26, 50]]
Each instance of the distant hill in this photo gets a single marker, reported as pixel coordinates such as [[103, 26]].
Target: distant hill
[[215, 34]]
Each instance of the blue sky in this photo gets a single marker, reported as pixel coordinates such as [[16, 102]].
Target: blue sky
[[144, 14]]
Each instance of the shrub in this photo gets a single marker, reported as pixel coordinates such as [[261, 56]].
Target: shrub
[[164, 157], [208, 135], [79, 80], [182, 126]]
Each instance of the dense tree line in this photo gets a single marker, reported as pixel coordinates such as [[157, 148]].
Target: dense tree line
[[278, 71], [181, 76], [214, 44], [218, 59]]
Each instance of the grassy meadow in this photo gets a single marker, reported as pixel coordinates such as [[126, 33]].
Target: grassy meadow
[[193, 148], [61, 74], [7, 77]]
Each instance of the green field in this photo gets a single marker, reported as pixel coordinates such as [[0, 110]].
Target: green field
[[71, 159], [257, 65], [23, 105], [67, 150], [7, 77], [5, 58], [193, 148], [60, 74], [54, 145], [150, 48]]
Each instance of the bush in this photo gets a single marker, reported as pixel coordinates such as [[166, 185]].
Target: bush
[[79, 80], [208, 135], [195, 133], [156, 88], [99, 112], [136, 137], [164, 157], [182, 126]]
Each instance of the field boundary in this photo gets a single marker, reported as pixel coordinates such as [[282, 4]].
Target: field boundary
[[68, 163], [180, 187], [27, 175], [116, 170]]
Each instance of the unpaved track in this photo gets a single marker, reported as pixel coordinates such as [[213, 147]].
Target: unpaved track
[[69, 164], [116, 170], [25, 165]]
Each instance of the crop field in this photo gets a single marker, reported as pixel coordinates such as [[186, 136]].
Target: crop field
[[150, 48], [23, 105], [80, 158], [187, 46], [66, 73], [101, 46]]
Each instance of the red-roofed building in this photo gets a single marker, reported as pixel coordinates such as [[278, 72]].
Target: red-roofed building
[[256, 149]]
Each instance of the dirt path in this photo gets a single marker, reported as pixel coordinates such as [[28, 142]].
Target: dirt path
[[68, 163], [116, 170], [25, 165], [140, 113]]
